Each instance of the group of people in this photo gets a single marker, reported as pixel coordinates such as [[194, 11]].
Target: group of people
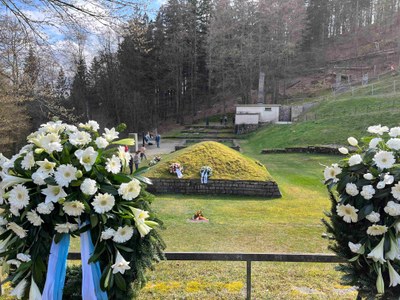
[[137, 157], [149, 137]]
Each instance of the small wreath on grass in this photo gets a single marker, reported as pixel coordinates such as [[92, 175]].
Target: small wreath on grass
[[73, 181]]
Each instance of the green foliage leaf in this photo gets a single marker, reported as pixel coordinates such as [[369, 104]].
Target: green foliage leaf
[[51, 181], [120, 281], [98, 251], [105, 278], [122, 178], [143, 179], [124, 248], [365, 211], [94, 220], [128, 142], [107, 188]]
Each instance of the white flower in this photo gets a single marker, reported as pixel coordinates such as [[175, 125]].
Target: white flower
[[15, 211], [34, 292], [388, 179], [356, 248], [352, 141], [373, 217], [393, 143], [376, 229], [121, 265], [355, 160], [65, 174], [3, 221], [392, 209], [39, 177], [107, 234], [397, 227], [46, 166], [393, 276], [395, 131], [53, 193], [66, 227], [384, 159], [34, 218], [351, 189], [368, 176], [343, 150], [378, 129], [28, 162], [396, 191], [123, 234], [80, 138], [348, 212], [394, 250], [89, 186], [113, 164], [110, 134], [129, 190], [91, 125], [23, 257], [377, 253], [367, 192], [380, 185], [18, 230], [103, 203], [101, 143], [140, 217], [45, 208], [9, 180], [14, 262], [19, 196], [374, 143], [51, 142], [73, 208], [331, 172], [19, 290], [87, 157]]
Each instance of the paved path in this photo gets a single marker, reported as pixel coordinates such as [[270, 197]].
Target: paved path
[[166, 146]]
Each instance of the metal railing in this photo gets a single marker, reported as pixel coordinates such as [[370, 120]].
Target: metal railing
[[245, 257]]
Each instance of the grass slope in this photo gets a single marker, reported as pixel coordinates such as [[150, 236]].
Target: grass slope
[[225, 162]]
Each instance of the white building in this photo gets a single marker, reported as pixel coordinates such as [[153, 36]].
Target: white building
[[253, 114]]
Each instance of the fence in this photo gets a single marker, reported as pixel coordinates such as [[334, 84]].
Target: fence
[[245, 257]]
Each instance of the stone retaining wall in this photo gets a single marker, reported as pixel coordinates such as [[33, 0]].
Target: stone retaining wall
[[309, 149], [215, 187]]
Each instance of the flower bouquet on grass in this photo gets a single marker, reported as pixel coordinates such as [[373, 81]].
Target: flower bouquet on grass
[[70, 181], [154, 161], [365, 214], [205, 173], [176, 168]]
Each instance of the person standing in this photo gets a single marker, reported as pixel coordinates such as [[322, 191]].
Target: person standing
[[158, 139], [136, 159], [142, 151]]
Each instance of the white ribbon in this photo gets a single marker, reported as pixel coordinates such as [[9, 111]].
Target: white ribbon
[[178, 173]]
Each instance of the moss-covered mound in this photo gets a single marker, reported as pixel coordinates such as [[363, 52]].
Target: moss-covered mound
[[225, 162]]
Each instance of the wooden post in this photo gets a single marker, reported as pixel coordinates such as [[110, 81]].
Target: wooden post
[[248, 279]]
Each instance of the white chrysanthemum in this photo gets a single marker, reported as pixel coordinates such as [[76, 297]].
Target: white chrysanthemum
[[70, 128], [355, 160], [393, 143], [66, 227], [53, 193], [87, 157], [45, 208], [377, 229], [73, 208], [378, 129], [351, 189], [19, 290], [113, 165], [348, 212], [368, 176], [13, 262], [89, 186], [52, 127], [373, 217], [367, 192], [46, 166], [34, 218], [121, 265], [123, 234], [101, 143], [396, 191], [51, 142], [110, 134], [392, 209], [394, 132], [129, 190], [352, 141], [23, 257], [373, 144], [80, 138], [18, 230], [28, 161], [355, 248], [15, 211], [103, 203], [19, 196], [331, 172], [380, 185], [140, 217], [65, 174], [343, 150], [91, 125], [384, 159], [388, 179], [39, 177], [107, 234]]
